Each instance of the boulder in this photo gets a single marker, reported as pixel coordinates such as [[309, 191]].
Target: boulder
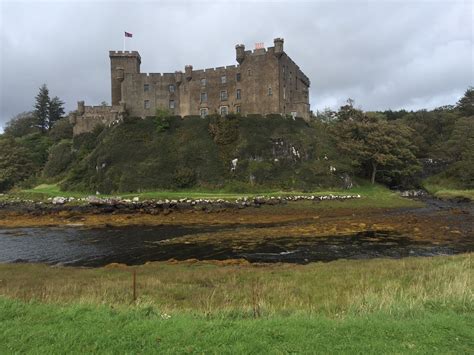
[[58, 200]]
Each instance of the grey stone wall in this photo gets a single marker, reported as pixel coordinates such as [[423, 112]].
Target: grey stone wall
[[270, 82]]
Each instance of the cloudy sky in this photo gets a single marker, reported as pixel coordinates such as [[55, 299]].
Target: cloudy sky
[[384, 54]]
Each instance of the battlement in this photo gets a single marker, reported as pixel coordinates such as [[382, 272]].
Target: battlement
[[125, 54]]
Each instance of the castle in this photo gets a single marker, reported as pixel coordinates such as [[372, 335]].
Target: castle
[[265, 81]]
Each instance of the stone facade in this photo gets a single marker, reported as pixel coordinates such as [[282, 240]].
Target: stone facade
[[265, 81]]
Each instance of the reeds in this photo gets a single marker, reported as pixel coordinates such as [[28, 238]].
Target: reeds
[[333, 289]]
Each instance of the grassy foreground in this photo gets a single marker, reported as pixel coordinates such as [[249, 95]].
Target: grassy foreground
[[377, 306], [42, 328]]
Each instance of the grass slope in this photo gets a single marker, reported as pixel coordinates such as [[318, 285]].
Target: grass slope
[[42, 328], [372, 195]]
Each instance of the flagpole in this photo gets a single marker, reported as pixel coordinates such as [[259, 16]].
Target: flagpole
[[124, 42]]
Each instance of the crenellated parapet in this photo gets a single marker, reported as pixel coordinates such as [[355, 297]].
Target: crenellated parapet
[[86, 118]]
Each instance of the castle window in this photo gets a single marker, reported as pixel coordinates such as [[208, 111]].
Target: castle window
[[224, 110], [270, 92], [224, 95], [249, 72], [223, 79], [237, 109], [203, 96], [237, 77], [146, 87], [146, 104], [171, 88], [203, 82], [204, 112], [171, 105], [238, 94]]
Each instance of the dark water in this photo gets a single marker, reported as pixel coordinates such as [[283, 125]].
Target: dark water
[[139, 244]]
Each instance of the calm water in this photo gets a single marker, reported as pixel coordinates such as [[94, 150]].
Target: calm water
[[139, 244]]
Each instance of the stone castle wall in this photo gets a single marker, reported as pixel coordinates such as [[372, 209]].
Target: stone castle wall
[[265, 81], [270, 82], [86, 118]]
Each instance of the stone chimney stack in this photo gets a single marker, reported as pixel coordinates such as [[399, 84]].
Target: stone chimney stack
[[240, 53]]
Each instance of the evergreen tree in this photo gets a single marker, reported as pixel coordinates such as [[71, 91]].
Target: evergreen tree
[[42, 108], [55, 111]]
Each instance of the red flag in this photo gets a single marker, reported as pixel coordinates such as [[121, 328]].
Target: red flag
[[127, 34]]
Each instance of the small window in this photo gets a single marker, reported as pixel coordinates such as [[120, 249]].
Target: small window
[[204, 112], [238, 94], [237, 77], [223, 79], [146, 87], [237, 109], [224, 95], [249, 72], [224, 110], [203, 82], [171, 88], [270, 92], [146, 104], [203, 96], [171, 104]]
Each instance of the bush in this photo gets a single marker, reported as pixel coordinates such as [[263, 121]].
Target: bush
[[59, 159]]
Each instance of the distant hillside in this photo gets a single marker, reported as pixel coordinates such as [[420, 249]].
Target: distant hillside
[[234, 152]]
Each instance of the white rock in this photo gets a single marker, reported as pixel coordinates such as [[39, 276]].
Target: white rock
[[58, 200]]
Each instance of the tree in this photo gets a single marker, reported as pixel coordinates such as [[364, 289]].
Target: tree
[[466, 103], [42, 108], [61, 129], [378, 145], [55, 111], [15, 163], [21, 125], [348, 112]]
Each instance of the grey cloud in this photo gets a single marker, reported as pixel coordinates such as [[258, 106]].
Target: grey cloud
[[383, 54]]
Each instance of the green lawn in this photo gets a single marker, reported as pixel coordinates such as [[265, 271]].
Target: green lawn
[[446, 188], [41, 328], [448, 193], [372, 195]]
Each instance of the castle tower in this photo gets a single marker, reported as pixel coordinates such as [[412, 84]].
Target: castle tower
[[188, 72], [240, 53], [278, 42], [122, 63]]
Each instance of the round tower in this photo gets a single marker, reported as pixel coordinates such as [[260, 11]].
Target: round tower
[[240, 53], [188, 72], [278, 42], [179, 77], [80, 108]]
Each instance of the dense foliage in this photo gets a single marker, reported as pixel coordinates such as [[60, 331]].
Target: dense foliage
[[397, 148]]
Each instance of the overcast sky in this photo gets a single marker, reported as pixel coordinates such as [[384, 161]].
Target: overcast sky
[[383, 54]]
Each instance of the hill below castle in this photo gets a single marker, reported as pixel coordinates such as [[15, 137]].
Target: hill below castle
[[172, 153]]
